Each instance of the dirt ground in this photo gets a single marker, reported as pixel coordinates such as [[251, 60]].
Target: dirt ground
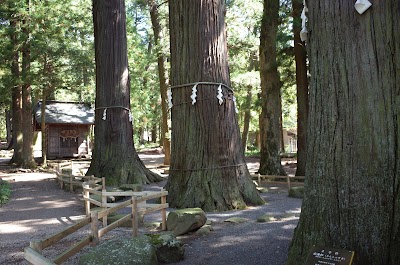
[[39, 208]]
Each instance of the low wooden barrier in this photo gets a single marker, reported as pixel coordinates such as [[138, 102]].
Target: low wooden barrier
[[70, 179], [93, 187], [33, 253], [289, 179]]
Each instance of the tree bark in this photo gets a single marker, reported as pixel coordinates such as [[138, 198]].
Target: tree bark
[[43, 128], [27, 126], [300, 55], [16, 92], [207, 169], [114, 154], [352, 186], [246, 119], [162, 77], [270, 120], [8, 126]]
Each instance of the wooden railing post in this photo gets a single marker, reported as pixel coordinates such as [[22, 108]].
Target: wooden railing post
[[104, 199], [37, 246], [86, 196], [94, 226], [163, 213], [134, 217], [71, 187]]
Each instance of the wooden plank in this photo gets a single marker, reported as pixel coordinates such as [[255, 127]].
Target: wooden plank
[[115, 208], [37, 246], [113, 225], [35, 258], [153, 208], [93, 201], [152, 195], [60, 235], [273, 176], [298, 177], [73, 250], [135, 217], [94, 227], [164, 213]]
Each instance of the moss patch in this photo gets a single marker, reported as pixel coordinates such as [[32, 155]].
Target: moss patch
[[236, 220], [296, 192]]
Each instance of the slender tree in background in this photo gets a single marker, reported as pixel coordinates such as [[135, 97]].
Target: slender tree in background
[[270, 119], [162, 76], [302, 88], [207, 169], [247, 117], [114, 155], [352, 187]]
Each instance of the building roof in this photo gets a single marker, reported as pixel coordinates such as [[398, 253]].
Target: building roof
[[58, 112]]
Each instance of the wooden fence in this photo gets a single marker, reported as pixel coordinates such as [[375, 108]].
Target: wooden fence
[[93, 187], [137, 203], [288, 179], [70, 179]]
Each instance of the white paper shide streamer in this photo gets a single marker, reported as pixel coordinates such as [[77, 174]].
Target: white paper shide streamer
[[220, 95], [105, 114], [194, 94], [304, 19], [169, 95], [362, 5]]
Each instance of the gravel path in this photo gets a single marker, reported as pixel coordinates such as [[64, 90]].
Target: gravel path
[[38, 208]]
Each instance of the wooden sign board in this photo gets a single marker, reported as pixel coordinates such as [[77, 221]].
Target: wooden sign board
[[329, 256]]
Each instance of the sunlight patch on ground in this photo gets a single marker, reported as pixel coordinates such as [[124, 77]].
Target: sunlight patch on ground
[[18, 177], [26, 226]]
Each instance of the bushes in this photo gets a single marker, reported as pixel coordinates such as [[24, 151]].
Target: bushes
[[5, 192]]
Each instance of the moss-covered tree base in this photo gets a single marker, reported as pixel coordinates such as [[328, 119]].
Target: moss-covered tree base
[[215, 191]]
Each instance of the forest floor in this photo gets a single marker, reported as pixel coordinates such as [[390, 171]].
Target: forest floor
[[39, 208]]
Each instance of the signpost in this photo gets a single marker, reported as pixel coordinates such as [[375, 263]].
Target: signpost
[[329, 256]]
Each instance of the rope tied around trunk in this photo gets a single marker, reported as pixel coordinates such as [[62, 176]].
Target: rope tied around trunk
[[220, 96], [114, 107]]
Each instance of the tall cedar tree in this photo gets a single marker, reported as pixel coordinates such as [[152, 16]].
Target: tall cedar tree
[[352, 187], [16, 88], [162, 76], [208, 168], [27, 117], [114, 154], [300, 55], [271, 113]]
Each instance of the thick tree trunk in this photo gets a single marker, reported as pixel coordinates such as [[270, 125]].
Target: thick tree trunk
[[16, 95], [162, 76], [352, 187], [270, 120], [27, 128], [114, 155], [208, 169], [300, 55]]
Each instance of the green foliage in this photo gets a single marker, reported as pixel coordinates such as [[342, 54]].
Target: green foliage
[[5, 192], [287, 65], [243, 25], [252, 151], [142, 54], [63, 66], [61, 47], [242, 83]]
